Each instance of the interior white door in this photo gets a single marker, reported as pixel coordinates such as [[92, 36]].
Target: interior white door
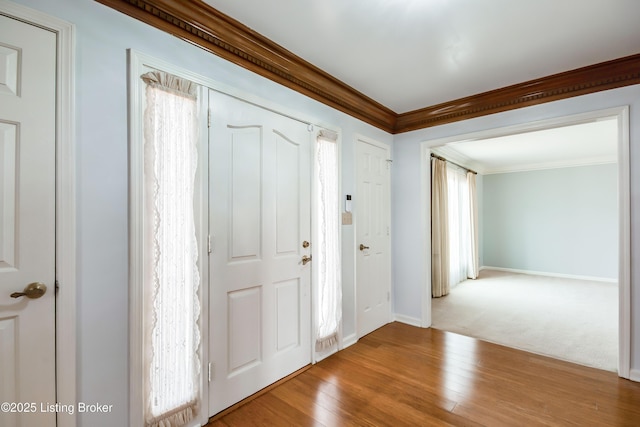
[[27, 222], [260, 299], [373, 261]]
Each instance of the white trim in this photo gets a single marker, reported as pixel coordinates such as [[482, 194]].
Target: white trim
[[349, 341], [137, 67], [624, 242], [634, 375], [413, 321], [152, 62], [136, 236], [546, 166], [321, 355], [547, 274], [425, 208], [624, 200], [138, 63], [66, 309], [202, 229], [538, 125]]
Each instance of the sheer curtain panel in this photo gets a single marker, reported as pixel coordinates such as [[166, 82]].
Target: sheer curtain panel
[[171, 276], [327, 257], [474, 257], [439, 229], [459, 214]]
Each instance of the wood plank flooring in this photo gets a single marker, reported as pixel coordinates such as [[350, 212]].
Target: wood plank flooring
[[401, 375]]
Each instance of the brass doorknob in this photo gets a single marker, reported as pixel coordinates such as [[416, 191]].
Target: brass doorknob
[[33, 290], [363, 247], [306, 259]]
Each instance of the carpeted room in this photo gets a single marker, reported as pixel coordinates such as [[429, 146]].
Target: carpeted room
[[548, 247]]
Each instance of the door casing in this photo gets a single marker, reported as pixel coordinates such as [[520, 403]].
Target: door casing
[[137, 62], [624, 211]]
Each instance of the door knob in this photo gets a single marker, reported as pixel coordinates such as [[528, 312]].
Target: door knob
[[363, 247], [306, 259], [33, 290]]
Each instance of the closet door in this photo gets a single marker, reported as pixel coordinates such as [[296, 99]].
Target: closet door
[[27, 224], [259, 216]]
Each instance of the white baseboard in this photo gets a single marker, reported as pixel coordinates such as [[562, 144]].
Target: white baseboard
[[349, 340], [323, 355], [634, 375], [560, 275], [408, 320]]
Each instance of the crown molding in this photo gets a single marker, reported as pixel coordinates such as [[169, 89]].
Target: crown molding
[[202, 25], [581, 81]]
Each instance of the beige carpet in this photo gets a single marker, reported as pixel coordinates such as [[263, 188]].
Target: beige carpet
[[573, 320]]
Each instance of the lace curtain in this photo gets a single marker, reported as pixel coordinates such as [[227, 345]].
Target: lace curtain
[[171, 276], [327, 246]]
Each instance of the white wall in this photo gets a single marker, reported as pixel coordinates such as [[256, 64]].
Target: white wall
[[103, 35], [559, 221], [410, 257]]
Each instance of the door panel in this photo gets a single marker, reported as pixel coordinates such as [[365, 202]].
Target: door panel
[[27, 219], [373, 268], [245, 192], [260, 302]]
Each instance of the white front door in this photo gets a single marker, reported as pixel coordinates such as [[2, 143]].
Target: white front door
[[260, 298], [27, 223], [373, 261]]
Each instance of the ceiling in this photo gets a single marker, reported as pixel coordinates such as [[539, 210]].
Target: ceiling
[[582, 144], [411, 54]]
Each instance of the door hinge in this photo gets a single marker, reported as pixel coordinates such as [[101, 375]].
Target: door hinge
[[209, 118], [210, 371], [57, 286], [388, 296], [209, 244]]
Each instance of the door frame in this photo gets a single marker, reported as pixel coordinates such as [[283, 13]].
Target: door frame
[[137, 61], [366, 140], [66, 308], [624, 212]]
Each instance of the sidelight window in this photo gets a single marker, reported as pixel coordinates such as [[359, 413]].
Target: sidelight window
[[170, 275]]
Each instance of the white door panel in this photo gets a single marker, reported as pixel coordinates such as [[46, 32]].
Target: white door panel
[[373, 270], [260, 299], [27, 221]]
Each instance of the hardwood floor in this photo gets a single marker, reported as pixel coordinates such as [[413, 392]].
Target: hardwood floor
[[401, 375]]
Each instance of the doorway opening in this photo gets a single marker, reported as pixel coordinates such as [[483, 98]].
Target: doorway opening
[[481, 141]]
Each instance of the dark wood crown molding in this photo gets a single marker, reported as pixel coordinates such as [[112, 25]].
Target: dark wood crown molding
[[594, 78], [206, 27]]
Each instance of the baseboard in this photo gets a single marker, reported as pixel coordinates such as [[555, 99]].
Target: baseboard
[[319, 356], [560, 275], [349, 340], [634, 375], [408, 320]]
